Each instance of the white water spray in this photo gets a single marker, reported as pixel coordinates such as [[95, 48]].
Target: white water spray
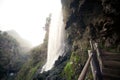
[[56, 40]]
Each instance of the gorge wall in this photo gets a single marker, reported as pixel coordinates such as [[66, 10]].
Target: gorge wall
[[89, 19], [84, 20], [98, 18]]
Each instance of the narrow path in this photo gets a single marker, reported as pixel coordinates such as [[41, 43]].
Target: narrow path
[[104, 65], [110, 65]]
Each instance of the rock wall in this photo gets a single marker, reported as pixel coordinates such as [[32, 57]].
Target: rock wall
[[85, 19], [89, 19], [93, 19]]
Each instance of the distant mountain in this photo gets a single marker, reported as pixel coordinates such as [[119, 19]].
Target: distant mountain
[[25, 45]]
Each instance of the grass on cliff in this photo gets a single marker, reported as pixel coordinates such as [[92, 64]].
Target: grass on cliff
[[36, 61], [71, 67]]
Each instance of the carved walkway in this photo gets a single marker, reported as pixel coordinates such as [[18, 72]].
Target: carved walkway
[[104, 65]]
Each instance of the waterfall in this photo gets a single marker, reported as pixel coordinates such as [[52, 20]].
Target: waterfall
[[56, 40]]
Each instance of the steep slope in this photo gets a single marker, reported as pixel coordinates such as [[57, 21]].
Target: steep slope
[[97, 20], [34, 64], [11, 59], [90, 19]]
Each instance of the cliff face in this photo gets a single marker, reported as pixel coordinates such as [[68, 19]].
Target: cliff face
[[93, 19], [85, 19], [11, 59], [89, 19]]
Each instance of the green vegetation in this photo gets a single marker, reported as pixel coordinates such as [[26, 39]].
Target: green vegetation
[[74, 66], [28, 71], [36, 60], [71, 67], [11, 58], [69, 71]]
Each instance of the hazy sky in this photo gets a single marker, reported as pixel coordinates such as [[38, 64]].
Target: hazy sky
[[27, 17]]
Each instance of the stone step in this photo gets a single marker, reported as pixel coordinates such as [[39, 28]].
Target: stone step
[[110, 76], [113, 58], [111, 71], [111, 64], [111, 54]]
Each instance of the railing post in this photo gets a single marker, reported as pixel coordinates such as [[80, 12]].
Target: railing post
[[84, 71], [98, 55], [92, 67], [91, 44], [96, 62]]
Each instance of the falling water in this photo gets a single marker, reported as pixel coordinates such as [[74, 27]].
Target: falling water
[[56, 40]]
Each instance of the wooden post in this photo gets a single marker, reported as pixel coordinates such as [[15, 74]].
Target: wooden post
[[98, 56], [92, 67], [95, 62], [91, 44], [97, 65], [85, 69]]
